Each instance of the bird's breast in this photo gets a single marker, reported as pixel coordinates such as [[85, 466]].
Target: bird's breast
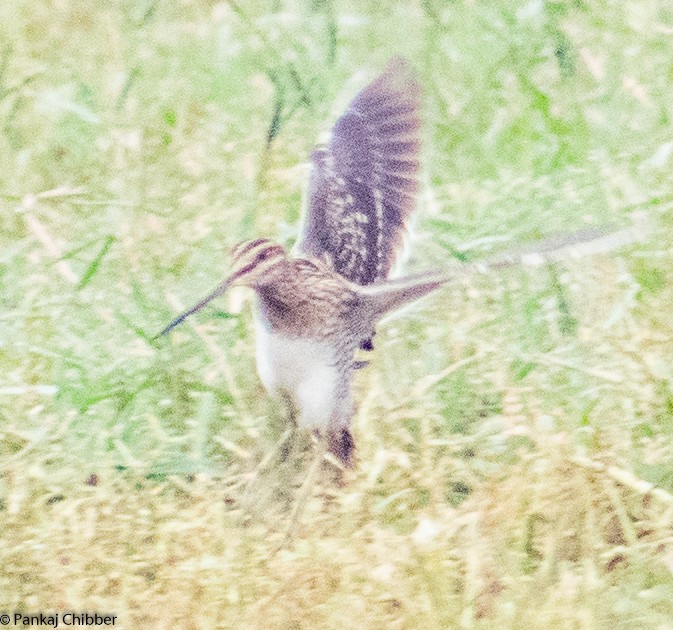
[[285, 362]]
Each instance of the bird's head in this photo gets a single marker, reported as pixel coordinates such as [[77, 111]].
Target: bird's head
[[254, 264]]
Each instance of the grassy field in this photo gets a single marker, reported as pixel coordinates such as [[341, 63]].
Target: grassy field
[[515, 431]]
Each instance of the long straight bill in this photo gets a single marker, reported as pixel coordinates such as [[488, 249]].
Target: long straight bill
[[181, 318]]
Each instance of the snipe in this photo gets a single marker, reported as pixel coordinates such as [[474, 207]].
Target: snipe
[[317, 307]]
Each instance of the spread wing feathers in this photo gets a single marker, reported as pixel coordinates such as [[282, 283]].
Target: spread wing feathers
[[363, 183], [386, 296]]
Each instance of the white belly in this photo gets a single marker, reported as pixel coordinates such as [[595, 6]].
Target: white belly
[[303, 369]]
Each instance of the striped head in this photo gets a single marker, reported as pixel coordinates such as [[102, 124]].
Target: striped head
[[254, 264]]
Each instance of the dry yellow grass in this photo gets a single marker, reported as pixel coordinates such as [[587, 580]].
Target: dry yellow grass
[[554, 543]]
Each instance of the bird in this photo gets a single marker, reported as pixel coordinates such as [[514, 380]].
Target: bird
[[313, 313], [320, 304]]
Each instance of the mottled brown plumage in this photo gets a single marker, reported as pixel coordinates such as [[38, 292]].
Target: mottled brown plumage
[[363, 182], [310, 321], [316, 309]]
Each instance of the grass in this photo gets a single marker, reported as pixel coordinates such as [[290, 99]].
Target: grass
[[515, 432]]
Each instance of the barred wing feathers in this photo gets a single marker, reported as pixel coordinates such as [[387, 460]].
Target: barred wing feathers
[[364, 181]]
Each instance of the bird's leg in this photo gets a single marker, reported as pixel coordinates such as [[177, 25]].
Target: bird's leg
[[341, 444], [340, 441]]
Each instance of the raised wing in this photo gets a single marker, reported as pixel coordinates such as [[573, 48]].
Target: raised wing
[[363, 183]]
